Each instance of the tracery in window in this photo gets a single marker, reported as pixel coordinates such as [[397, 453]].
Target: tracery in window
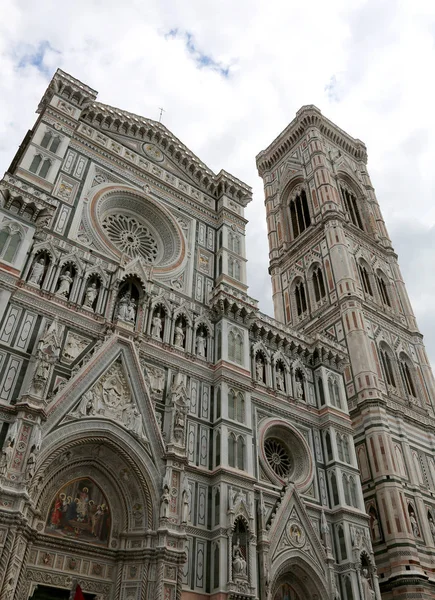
[[387, 364], [131, 236], [352, 207], [301, 298], [299, 214], [236, 451], [278, 457], [383, 290], [405, 371], [365, 279], [236, 406], [318, 284]]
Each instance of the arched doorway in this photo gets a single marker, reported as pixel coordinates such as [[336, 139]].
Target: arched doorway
[[298, 580]]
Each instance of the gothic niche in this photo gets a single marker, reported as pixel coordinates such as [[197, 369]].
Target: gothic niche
[[180, 332], [129, 294], [299, 385], [280, 376], [65, 281], [39, 269], [81, 512], [201, 341], [260, 367], [367, 579], [158, 323], [375, 528], [240, 553], [92, 292]]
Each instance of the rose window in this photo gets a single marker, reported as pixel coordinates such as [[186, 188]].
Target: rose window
[[131, 236], [278, 457]]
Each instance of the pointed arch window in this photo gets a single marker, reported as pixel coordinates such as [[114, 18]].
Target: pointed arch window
[[301, 298], [346, 490], [334, 488], [235, 347], [299, 214], [388, 367], [342, 543], [352, 208], [318, 284], [348, 588], [340, 448], [408, 381], [55, 144], [321, 391], [365, 279], [218, 449], [328, 446], [232, 450], [383, 290], [353, 492]]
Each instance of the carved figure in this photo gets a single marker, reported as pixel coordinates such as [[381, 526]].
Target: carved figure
[[414, 525], [37, 271], [123, 307], [179, 336], [137, 423], [299, 390], [239, 563], [259, 367], [156, 328], [131, 311], [164, 503], [31, 464], [432, 527], [368, 592], [65, 284], [279, 380], [186, 501], [376, 530], [201, 343], [91, 295], [87, 404]]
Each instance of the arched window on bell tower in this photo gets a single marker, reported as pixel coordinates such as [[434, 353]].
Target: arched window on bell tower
[[299, 214], [364, 273], [351, 206]]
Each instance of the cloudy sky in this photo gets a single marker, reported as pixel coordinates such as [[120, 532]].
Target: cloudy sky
[[231, 74]]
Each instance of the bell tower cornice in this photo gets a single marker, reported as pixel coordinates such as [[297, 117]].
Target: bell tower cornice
[[306, 117]]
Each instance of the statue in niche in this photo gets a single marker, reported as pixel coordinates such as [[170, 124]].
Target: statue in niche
[[186, 501], [127, 308], [280, 379], [6, 457], [65, 284], [164, 502], [157, 326], [91, 295], [432, 527], [179, 404], [239, 563], [414, 524], [201, 343], [259, 367], [299, 390], [376, 532], [31, 464], [37, 271], [366, 585], [179, 335]]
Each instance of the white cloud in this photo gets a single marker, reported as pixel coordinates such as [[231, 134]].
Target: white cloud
[[367, 65]]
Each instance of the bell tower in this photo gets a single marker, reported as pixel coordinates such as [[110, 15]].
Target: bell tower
[[334, 271]]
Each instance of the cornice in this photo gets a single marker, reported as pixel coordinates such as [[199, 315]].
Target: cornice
[[108, 118], [306, 117]]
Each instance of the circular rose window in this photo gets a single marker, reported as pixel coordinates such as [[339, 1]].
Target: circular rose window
[[278, 457], [284, 453], [131, 237]]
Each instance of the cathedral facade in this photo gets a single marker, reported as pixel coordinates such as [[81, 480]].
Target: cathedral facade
[[161, 437]]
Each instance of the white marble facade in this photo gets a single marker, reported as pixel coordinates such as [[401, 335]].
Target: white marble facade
[[161, 438]]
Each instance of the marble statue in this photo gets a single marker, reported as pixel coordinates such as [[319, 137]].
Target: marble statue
[[201, 343], [164, 503], [239, 563], [414, 525], [37, 271], [91, 295], [259, 367], [368, 592], [299, 390], [179, 336], [31, 464], [279, 380], [65, 284], [156, 328]]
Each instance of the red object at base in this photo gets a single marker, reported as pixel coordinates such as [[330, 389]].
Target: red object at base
[[79, 594]]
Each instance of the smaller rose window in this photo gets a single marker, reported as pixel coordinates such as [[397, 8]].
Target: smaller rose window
[[131, 236], [278, 457]]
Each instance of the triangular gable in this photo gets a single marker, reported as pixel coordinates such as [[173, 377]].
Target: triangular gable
[[110, 387], [291, 530]]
